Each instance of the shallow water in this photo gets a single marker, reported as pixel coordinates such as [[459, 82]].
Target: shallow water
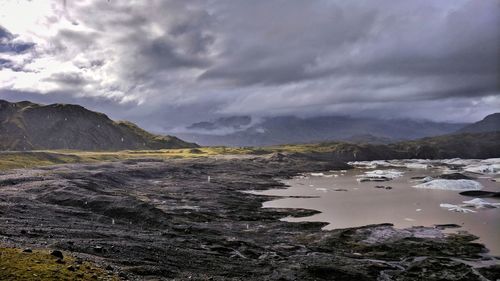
[[403, 205]]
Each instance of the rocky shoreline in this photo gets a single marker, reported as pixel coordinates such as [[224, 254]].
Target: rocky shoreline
[[189, 220]]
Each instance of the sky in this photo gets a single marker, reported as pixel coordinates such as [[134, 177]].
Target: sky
[[165, 64]]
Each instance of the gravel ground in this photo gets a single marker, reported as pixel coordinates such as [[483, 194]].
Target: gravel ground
[[165, 220]]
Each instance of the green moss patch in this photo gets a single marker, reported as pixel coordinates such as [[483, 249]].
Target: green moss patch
[[40, 265]]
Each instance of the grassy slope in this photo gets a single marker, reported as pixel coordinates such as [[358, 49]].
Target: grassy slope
[[40, 265], [465, 145], [13, 160]]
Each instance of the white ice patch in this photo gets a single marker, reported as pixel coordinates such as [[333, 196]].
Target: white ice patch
[[491, 161], [376, 175], [479, 203], [417, 166], [392, 174], [458, 161], [426, 179], [405, 163], [486, 166], [460, 185], [483, 169], [456, 208], [371, 164], [476, 203], [321, 175]]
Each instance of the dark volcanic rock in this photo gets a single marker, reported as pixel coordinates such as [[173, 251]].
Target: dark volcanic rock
[[162, 220], [454, 176], [57, 254], [435, 269], [491, 272], [480, 193], [448, 225]]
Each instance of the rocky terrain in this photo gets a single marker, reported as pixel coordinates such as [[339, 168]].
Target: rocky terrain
[[190, 219], [29, 126]]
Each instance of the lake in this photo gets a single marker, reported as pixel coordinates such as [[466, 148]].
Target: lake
[[346, 201]]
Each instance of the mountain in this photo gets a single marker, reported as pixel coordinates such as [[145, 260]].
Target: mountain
[[29, 126], [465, 145], [232, 122], [290, 129], [490, 123]]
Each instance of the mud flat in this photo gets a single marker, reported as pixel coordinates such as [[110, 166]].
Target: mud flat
[[165, 220]]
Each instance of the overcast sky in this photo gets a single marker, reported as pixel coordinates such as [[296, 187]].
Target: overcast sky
[[164, 64]]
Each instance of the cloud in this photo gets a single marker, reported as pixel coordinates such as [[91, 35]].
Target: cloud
[[165, 63], [9, 44]]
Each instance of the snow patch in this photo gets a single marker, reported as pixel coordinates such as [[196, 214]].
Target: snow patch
[[380, 175], [456, 208], [371, 164], [479, 203], [417, 166], [483, 169], [423, 180], [476, 203], [321, 175], [460, 185]]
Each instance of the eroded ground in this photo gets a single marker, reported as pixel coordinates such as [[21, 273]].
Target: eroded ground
[[164, 220]]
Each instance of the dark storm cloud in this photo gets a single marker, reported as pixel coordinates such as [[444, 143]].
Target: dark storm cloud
[[9, 45], [69, 79], [172, 62], [8, 64], [161, 54], [5, 34], [99, 104], [5, 63], [277, 42], [69, 37], [377, 38]]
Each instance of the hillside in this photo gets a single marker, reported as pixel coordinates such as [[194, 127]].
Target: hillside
[[467, 145], [490, 123], [29, 126], [243, 131], [483, 145]]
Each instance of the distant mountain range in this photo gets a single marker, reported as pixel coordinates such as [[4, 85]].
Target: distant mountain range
[[243, 131], [29, 126], [462, 145]]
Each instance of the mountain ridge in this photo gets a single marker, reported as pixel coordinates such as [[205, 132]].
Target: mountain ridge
[[291, 129], [30, 126], [490, 123]]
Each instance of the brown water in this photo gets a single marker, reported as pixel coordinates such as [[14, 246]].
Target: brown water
[[403, 205]]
